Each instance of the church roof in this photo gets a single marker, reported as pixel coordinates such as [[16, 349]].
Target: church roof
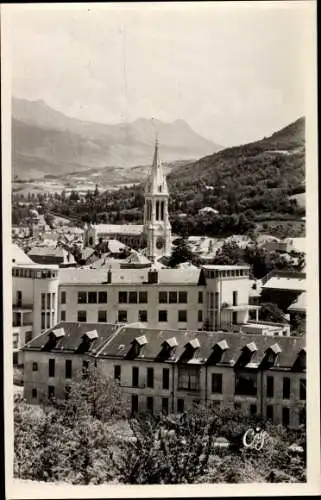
[[128, 229]]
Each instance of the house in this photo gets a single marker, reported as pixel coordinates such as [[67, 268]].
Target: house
[[169, 370]]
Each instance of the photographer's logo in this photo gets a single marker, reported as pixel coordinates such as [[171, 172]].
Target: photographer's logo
[[256, 439]]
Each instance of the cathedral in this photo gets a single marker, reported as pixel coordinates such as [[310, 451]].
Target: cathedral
[[155, 233]]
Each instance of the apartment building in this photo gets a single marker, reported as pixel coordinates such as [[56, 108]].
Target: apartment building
[[212, 297], [169, 370], [34, 300]]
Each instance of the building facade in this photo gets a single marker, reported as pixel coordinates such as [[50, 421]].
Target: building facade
[[170, 370], [34, 303]]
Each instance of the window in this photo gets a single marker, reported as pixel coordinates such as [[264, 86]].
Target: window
[[165, 405], [200, 297], [150, 377], [102, 297], [253, 409], [302, 389], [67, 392], [117, 372], [68, 368], [135, 376], [172, 296], [237, 406], [34, 367], [162, 297], [269, 412], [162, 316], [142, 297], [62, 315], [217, 383], [34, 393], [51, 367], [48, 320], [122, 316], [269, 387], [134, 403], [217, 300], [82, 297], [122, 297], [48, 301], [286, 387], [235, 299], [234, 318], [142, 316], [165, 378], [43, 301], [200, 316], [82, 316], [102, 316], [302, 416], [51, 391], [19, 298], [285, 416], [150, 404], [92, 297], [182, 316], [133, 297], [188, 378], [182, 297], [63, 298], [246, 384], [180, 406]]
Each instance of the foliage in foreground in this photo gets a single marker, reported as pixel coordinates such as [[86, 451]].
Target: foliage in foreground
[[83, 442]]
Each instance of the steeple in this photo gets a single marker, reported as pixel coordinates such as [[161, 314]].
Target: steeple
[[157, 227], [156, 182]]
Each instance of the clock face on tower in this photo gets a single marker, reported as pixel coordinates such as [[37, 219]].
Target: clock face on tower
[[160, 243]]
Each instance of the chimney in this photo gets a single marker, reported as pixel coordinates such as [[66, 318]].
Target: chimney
[[153, 276]]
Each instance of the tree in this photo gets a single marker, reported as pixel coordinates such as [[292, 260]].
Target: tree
[[229, 254], [181, 253], [271, 312]]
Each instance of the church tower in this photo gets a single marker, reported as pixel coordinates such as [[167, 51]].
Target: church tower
[[157, 227]]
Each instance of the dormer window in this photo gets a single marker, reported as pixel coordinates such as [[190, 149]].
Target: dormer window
[[218, 352], [271, 355], [58, 333], [246, 354], [137, 346], [168, 346], [92, 335], [300, 362], [193, 344]]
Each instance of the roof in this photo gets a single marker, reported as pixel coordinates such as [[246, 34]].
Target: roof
[[117, 341], [286, 282], [224, 268], [73, 337], [19, 256], [133, 229], [46, 251], [115, 246], [299, 304], [87, 276]]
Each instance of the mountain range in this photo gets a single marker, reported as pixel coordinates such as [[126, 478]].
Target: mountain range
[[46, 141]]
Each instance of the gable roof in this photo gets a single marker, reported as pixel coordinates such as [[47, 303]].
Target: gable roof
[[73, 337]]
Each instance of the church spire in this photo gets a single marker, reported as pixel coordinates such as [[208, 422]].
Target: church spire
[[156, 182]]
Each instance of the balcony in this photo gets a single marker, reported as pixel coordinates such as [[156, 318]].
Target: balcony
[[231, 307], [22, 308]]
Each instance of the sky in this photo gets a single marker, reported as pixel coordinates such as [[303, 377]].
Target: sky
[[234, 72]]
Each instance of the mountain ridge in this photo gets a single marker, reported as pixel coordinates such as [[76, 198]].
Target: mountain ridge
[[43, 133]]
